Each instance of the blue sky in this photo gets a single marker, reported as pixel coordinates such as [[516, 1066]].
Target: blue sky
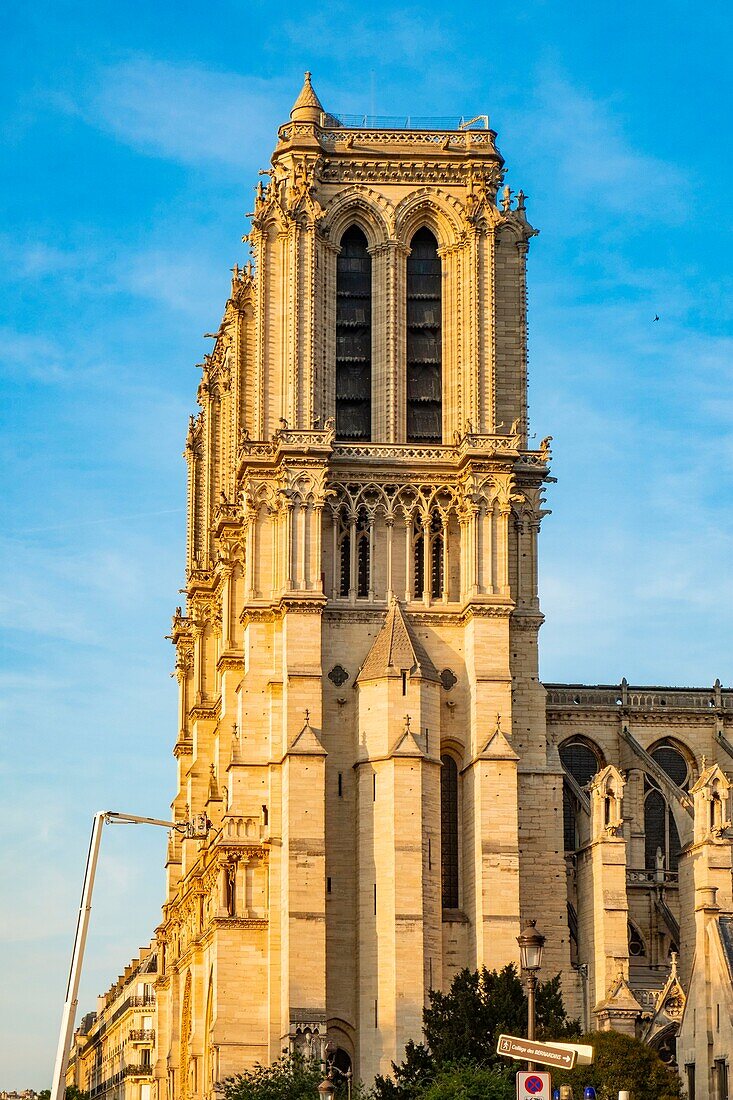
[[132, 137]]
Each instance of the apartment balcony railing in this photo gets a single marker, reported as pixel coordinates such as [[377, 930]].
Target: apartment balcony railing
[[101, 1087], [142, 1035], [138, 1070]]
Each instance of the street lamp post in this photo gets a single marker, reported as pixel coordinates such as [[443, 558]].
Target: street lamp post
[[531, 943]]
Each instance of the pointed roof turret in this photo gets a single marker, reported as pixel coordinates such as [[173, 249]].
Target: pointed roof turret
[[407, 744], [497, 747], [396, 650], [307, 743], [307, 107]]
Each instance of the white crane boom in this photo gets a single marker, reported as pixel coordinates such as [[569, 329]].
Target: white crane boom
[[196, 830]]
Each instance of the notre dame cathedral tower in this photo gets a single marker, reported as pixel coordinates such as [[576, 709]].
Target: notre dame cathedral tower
[[360, 712]]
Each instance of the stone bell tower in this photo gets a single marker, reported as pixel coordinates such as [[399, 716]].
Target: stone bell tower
[[361, 716]]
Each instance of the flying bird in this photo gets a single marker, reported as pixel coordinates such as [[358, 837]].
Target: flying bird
[[656, 317]]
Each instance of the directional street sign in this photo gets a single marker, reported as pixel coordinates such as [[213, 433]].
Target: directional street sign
[[544, 1053], [584, 1052], [535, 1084]]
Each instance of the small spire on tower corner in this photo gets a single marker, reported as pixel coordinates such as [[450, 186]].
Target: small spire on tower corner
[[307, 107]]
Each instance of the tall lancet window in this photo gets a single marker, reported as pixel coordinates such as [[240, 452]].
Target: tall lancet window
[[662, 841], [449, 831], [424, 341], [354, 338]]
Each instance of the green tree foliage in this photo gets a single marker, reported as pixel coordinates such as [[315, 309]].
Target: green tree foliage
[[462, 1027], [621, 1062], [291, 1077], [73, 1093], [471, 1083]]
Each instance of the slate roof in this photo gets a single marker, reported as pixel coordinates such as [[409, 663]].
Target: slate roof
[[396, 650]]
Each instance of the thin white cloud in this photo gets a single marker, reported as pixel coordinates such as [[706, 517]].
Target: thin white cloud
[[183, 281], [33, 356], [405, 36], [186, 113], [578, 148]]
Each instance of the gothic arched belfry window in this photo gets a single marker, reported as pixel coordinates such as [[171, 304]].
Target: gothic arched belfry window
[[449, 831], [354, 338], [424, 341]]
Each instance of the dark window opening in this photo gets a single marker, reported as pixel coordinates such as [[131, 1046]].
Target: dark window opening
[[354, 338], [424, 340], [583, 764], [419, 571], [573, 932], [231, 891], [341, 785], [362, 566], [449, 832], [345, 581], [636, 944], [672, 762], [436, 558], [341, 1062], [721, 1079], [690, 1068]]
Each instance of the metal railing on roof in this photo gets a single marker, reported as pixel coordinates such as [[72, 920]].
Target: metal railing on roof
[[404, 122]]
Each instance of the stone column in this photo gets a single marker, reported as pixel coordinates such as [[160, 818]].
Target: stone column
[[408, 559], [389, 524]]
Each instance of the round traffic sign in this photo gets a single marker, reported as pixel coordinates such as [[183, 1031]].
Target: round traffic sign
[[533, 1084]]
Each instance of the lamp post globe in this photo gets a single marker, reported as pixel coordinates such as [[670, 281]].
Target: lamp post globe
[[531, 942], [327, 1088]]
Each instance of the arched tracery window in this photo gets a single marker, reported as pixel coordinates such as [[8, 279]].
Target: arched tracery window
[[662, 845], [449, 831], [424, 340], [354, 338], [582, 763]]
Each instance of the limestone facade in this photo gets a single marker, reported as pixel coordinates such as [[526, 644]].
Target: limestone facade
[[391, 790], [361, 614]]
